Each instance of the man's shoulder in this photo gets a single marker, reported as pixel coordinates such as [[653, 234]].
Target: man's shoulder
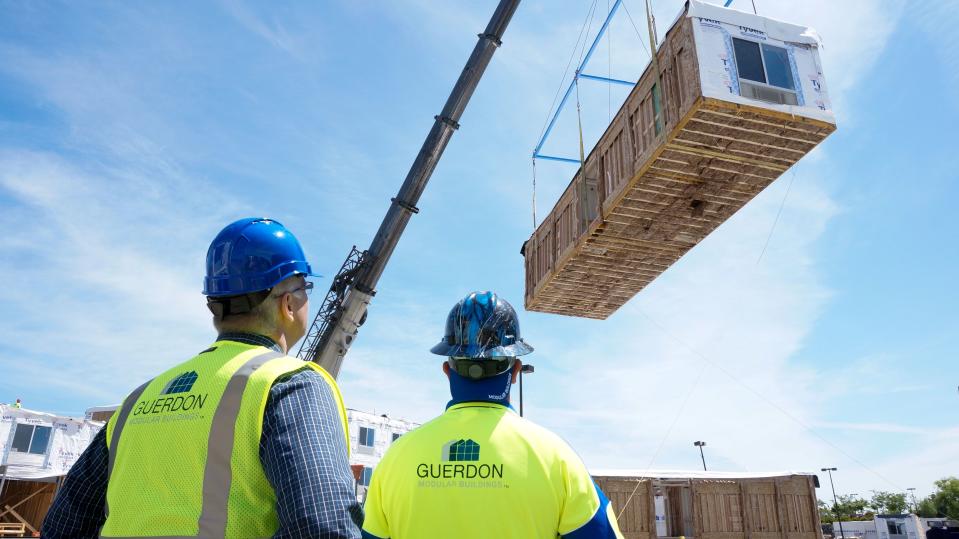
[[541, 439], [303, 380], [508, 424]]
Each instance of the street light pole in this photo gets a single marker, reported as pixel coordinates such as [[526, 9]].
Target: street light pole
[[835, 501], [525, 368], [700, 444]]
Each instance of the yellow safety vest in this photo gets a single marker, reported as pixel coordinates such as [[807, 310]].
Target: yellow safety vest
[[184, 447]]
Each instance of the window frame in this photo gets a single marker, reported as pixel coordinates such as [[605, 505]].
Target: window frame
[[762, 59], [396, 436], [371, 436], [31, 450]]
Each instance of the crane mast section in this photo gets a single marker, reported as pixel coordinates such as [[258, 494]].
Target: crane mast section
[[344, 309]]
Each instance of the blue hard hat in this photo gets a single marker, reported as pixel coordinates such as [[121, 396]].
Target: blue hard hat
[[251, 255], [482, 326]]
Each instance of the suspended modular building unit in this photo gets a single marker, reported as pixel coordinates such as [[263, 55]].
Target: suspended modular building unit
[[742, 100]]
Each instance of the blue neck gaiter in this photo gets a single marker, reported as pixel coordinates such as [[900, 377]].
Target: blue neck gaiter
[[494, 389]]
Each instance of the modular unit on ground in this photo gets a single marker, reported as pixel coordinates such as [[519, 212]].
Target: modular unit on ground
[[712, 505]]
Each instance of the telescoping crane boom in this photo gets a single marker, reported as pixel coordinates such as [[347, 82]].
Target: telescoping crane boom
[[344, 308]]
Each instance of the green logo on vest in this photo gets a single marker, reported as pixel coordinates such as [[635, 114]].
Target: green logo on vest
[[181, 384], [461, 451], [173, 401]]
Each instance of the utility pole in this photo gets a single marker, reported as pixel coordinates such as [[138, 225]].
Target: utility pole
[[835, 501], [525, 368], [700, 444]]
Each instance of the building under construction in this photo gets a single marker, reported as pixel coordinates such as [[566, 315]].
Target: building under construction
[[731, 101]]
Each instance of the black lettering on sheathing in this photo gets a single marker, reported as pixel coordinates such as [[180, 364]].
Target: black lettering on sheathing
[[166, 404], [458, 470], [139, 409], [200, 399], [484, 471], [156, 407], [447, 471], [422, 471], [188, 402], [498, 471], [471, 471]]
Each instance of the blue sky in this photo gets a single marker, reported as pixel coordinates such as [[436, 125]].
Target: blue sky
[[131, 133]]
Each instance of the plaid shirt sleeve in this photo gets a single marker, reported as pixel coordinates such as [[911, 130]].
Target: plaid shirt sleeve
[[78, 510], [302, 452], [305, 459]]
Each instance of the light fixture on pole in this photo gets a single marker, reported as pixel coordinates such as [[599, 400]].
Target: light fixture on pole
[[525, 368], [701, 444], [835, 501]]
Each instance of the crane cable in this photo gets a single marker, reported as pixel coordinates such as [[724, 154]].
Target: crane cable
[[534, 195], [584, 220], [654, 55], [583, 31], [635, 28]]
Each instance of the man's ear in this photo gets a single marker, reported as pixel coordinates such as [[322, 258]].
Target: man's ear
[[446, 369], [286, 307]]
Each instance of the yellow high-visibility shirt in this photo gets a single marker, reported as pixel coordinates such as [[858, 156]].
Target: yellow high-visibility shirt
[[480, 470]]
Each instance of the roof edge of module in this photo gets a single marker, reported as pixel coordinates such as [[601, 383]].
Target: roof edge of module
[[777, 29]]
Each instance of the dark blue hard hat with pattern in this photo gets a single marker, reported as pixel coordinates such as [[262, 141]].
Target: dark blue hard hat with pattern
[[482, 326]]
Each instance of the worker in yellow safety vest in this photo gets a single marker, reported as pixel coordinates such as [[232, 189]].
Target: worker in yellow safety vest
[[480, 470], [239, 441]]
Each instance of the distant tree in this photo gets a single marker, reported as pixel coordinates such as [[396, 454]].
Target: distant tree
[[825, 512], [927, 508], [888, 503], [849, 508], [944, 502]]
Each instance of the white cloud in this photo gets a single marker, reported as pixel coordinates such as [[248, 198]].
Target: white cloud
[[939, 20], [103, 274], [273, 31]]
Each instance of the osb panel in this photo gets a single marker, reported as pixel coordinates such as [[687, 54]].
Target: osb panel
[[637, 520], [35, 508], [720, 513]]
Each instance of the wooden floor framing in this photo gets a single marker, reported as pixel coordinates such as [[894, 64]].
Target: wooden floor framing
[[716, 159]]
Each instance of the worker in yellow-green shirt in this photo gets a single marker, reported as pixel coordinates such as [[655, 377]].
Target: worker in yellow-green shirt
[[481, 470]]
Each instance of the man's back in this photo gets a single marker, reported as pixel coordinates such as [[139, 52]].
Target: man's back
[[480, 470]]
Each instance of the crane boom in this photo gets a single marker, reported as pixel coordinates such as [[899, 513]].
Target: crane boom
[[344, 308]]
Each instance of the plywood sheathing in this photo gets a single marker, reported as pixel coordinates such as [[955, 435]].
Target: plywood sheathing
[[749, 508], [26, 502]]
